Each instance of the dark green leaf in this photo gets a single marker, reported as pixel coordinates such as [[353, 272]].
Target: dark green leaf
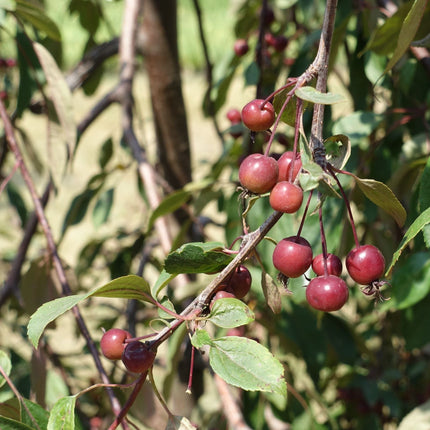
[[312, 95], [37, 412], [197, 257], [230, 313], [62, 415], [338, 149], [29, 12], [17, 201], [105, 153], [422, 220], [252, 74], [245, 363], [10, 424], [424, 190], [6, 365], [383, 197], [407, 33], [102, 208], [410, 283]]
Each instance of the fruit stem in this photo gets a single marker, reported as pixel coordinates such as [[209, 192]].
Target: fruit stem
[[348, 206], [159, 396], [190, 377], [322, 233], [302, 222], [299, 113]]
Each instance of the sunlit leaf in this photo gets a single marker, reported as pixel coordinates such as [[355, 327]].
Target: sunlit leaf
[[230, 313], [10, 424], [126, 287], [62, 415], [6, 365]]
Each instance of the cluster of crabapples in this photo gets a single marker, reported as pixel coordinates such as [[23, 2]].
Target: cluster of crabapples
[[293, 256], [118, 344]]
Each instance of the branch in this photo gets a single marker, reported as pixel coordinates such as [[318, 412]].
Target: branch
[[13, 144]]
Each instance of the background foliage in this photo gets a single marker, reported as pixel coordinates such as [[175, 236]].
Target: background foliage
[[366, 366]]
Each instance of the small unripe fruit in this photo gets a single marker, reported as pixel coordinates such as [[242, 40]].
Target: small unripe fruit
[[258, 117], [138, 357]]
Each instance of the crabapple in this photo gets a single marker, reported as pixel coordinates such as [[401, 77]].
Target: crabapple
[[327, 293], [285, 163], [334, 265], [292, 256], [138, 357], [241, 47], [234, 116], [365, 264], [240, 282], [258, 117], [258, 173], [286, 197], [113, 343]]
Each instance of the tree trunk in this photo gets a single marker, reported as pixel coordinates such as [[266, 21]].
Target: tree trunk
[[159, 45]]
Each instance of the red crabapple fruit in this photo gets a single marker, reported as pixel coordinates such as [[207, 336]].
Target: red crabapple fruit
[[258, 173], [258, 117]]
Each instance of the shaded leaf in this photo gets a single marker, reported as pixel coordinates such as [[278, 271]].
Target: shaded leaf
[[410, 283], [126, 287], [338, 149], [419, 223], [289, 114], [383, 197], [424, 188], [10, 424], [62, 415], [6, 365], [197, 257], [36, 16], [102, 208], [407, 33], [271, 293], [230, 313], [312, 95], [60, 94], [106, 152]]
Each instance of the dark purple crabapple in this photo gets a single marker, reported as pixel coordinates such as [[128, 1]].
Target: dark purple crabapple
[[138, 357]]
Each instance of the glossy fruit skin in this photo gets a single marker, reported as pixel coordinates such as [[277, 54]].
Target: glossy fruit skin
[[365, 264], [112, 343], [234, 116], [240, 282], [137, 357], [284, 165], [258, 173], [257, 118], [327, 293], [240, 47], [292, 256], [286, 197], [222, 294], [334, 265]]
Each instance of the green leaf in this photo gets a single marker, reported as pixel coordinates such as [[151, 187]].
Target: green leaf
[[201, 338], [163, 279], [61, 96], [252, 74], [33, 14], [407, 33], [105, 153], [312, 95], [338, 150], [289, 114], [358, 125], [102, 208], [126, 287], [197, 257], [424, 189], [383, 197], [419, 223], [10, 424], [62, 415], [245, 363], [37, 412], [410, 283], [230, 313], [6, 365]]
